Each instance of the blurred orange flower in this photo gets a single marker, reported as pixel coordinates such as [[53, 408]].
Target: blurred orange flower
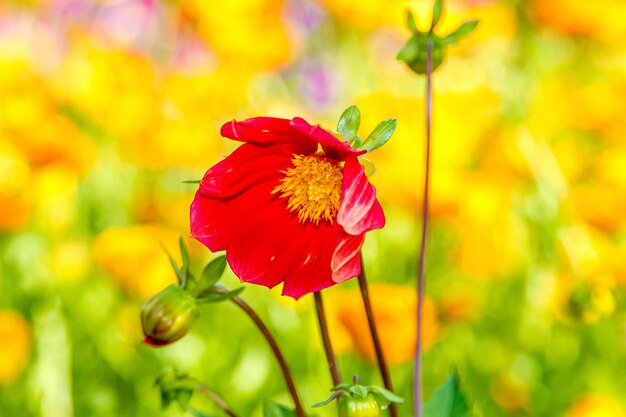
[[593, 405], [394, 312], [15, 345]]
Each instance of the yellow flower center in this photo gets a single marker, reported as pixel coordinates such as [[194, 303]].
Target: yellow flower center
[[313, 187]]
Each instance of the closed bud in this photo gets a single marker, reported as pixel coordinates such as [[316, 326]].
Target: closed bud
[[168, 316], [353, 406]]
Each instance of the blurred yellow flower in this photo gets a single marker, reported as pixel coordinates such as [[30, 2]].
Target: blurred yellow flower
[[134, 257], [232, 29], [394, 312], [15, 345], [594, 405], [509, 393], [70, 261]]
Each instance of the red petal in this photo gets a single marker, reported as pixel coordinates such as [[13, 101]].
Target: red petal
[[311, 252], [267, 130], [247, 166], [333, 147], [359, 211], [346, 261]]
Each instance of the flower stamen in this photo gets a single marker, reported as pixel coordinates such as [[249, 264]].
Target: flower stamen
[[312, 187]]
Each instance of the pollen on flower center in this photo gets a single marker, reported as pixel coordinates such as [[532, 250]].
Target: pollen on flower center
[[312, 187]]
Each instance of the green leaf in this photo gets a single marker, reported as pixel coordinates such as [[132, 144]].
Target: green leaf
[[410, 50], [349, 123], [465, 29], [329, 399], [384, 395], [191, 182], [211, 296], [447, 401], [211, 273], [358, 390], [380, 135], [410, 21], [198, 413], [437, 12], [343, 386], [184, 253], [272, 409]]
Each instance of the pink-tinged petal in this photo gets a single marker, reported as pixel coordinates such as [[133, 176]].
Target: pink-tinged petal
[[248, 165], [267, 130], [359, 211], [311, 252], [346, 262], [333, 147]]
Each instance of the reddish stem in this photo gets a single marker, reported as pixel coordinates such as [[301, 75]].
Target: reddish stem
[[328, 346], [417, 376]]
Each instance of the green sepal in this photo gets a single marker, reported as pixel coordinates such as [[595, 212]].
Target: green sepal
[[465, 29], [349, 123], [344, 386], [184, 254], [213, 296], [380, 135], [211, 274], [330, 399], [411, 49], [448, 400], [437, 12], [358, 391], [410, 21], [272, 409], [384, 396], [179, 273]]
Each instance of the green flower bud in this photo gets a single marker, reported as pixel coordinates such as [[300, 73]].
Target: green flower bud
[[415, 52], [353, 406], [168, 316]]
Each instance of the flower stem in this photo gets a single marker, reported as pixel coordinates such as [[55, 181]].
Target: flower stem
[[217, 400], [291, 386], [417, 376], [328, 346], [380, 357]]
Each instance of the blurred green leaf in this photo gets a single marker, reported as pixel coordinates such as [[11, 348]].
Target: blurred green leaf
[[349, 123], [465, 29], [191, 182], [272, 409], [198, 413], [437, 12], [410, 21], [380, 135], [447, 401]]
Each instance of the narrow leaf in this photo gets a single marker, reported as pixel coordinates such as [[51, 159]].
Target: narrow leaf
[[410, 21], [465, 29], [340, 387], [272, 409], [349, 123], [179, 273], [380, 135], [214, 297], [447, 401], [191, 182], [328, 400], [437, 12]]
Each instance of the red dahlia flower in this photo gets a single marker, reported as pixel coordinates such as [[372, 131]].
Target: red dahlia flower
[[292, 204]]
